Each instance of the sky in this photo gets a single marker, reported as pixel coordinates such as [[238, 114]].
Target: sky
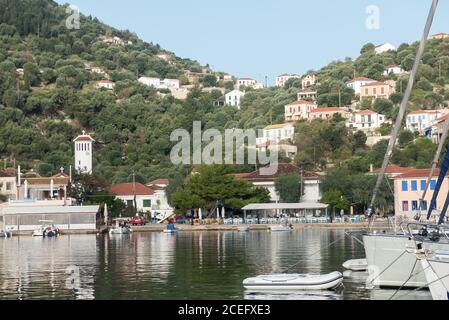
[[258, 38]]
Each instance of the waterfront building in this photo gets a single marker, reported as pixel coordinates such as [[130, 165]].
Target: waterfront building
[[8, 184], [409, 188], [83, 153], [134, 195], [311, 182]]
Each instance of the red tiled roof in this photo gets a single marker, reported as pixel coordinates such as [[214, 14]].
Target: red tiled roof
[[392, 168], [362, 79], [241, 175], [418, 173], [130, 188], [328, 109], [364, 112], [60, 175], [83, 138], [300, 102], [283, 169], [424, 111], [392, 66], [8, 172], [246, 79], [375, 83]]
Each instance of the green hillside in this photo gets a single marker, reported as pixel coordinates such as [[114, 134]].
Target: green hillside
[[45, 105]]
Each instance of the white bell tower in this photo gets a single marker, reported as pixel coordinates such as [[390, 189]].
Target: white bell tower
[[83, 153]]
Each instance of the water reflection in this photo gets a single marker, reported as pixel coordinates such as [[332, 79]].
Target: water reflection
[[201, 265]]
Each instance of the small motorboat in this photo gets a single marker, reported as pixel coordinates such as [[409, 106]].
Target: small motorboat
[[243, 229], [294, 282], [48, 229], [120, 227], [280, 228], [356, 265]]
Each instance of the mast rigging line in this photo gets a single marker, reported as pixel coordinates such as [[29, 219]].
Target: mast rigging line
[[403, 106]]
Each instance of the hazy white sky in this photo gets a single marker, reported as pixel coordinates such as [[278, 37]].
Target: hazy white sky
[[258, 38]]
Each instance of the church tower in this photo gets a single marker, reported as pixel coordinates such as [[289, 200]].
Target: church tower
[[83, 153]]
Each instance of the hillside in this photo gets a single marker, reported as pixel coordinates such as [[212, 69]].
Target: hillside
[[48, 94]]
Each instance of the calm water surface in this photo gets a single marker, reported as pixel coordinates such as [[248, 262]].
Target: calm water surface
[[204, 265]]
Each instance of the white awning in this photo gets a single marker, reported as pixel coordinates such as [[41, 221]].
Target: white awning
[[286, 206]]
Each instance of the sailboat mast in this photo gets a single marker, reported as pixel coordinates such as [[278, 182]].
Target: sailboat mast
[[403, 107]]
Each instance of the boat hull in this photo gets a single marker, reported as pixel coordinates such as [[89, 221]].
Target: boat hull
[[280, 229], [391, 265], [293, 282], [436, 273]]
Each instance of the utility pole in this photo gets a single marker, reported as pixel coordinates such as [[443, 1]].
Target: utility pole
[[339, 98], [266, 81]]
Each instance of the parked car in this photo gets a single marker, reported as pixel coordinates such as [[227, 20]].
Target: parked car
[[138, 221]]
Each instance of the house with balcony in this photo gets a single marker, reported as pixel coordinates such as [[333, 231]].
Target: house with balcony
[[421, 120], [328, 113], [358, 82], [298, 110], [366, 120], [376, 90]]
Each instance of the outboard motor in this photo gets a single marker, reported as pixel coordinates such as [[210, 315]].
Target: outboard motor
[[423, 232]]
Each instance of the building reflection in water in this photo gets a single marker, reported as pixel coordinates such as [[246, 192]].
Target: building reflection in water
[[33, 267]]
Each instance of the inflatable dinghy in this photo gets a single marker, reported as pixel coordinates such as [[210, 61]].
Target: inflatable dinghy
[[294, 282], [356, 265]]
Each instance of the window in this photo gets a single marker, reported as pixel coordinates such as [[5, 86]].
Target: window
[[424, 205], [433, 184], [414, 185], [147, 203], [382, 90], [404, 205], [374, 91], [423, 185], [8, 186], [404, 186], [129, 203], [415, 205]]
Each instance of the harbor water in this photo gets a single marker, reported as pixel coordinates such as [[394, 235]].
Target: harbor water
[[189, 265]]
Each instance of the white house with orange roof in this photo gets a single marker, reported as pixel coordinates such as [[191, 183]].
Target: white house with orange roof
[[299, 110], [409, 188], [308, 81], [419, 121], [393, 69], [366, 120], [328, 113], [358, 82], [283, 78], [376, 90], [307, 94]]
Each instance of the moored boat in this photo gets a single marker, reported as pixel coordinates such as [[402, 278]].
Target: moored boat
[[48, 229], [120, 227], [294, 282], [356, 265], [242, 228], [436, 270]]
